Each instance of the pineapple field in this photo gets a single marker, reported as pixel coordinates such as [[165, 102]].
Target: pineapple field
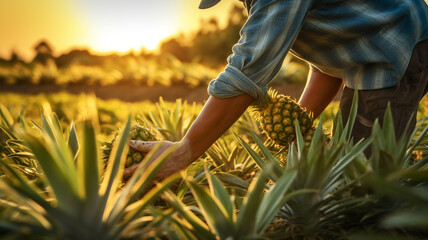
[[63, 156]]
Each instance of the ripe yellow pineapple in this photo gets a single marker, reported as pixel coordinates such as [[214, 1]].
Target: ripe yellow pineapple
[[277, 115], [137, 132]]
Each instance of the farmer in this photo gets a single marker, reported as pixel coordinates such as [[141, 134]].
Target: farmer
[[378, 47]]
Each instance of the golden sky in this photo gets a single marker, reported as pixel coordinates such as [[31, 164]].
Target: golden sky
[[101, 25]]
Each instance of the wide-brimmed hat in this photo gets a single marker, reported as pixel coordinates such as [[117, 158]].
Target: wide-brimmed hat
[[208, 3]]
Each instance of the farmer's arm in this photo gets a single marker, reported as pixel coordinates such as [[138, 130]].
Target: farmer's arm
[[266, 38], [217, 115], [319, 91]]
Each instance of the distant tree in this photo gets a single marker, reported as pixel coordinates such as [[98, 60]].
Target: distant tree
[[78, 56], [15, 58], [207, 26], [236, 15], [3, 62], [43, 51], [145, 53], [43, 47], [175, 47]]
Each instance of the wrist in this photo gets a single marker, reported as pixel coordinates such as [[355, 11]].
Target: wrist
[[185, 152]]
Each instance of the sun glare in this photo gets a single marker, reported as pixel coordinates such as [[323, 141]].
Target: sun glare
[[131, 25], [131, 37]]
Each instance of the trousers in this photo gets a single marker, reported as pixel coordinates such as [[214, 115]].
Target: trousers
[[404, 98]]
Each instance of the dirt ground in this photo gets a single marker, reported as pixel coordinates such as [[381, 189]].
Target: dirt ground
[[131, 93]]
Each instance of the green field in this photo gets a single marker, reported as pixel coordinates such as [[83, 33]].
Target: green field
[[56, 184]]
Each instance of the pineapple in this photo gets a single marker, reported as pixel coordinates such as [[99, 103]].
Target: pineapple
[[277, 115], [137, 132]]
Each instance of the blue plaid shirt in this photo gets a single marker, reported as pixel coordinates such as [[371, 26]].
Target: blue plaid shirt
[[366, 43]]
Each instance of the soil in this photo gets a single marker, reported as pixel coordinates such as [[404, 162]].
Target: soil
[[132, 93]]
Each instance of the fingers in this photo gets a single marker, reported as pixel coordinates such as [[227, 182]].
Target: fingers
[[145, 146], [142, 146]]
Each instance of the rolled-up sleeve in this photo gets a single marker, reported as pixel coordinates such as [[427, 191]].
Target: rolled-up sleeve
[[266, 37]]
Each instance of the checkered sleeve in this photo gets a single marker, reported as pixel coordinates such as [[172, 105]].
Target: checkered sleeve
[[266, 38]]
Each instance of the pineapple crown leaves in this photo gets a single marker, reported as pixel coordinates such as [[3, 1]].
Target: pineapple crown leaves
[[256, 109]]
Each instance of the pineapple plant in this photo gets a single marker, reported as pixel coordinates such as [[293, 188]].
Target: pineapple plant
[[222, 214], [75, 201], [277, 115], [321, 189], [307, 140], [172, 125], [137, 132]]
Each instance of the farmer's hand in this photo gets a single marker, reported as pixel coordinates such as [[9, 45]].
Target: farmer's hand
[[178, 160]]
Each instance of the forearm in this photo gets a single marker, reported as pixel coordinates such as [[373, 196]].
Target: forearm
[[217, 115], [319, 91]]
